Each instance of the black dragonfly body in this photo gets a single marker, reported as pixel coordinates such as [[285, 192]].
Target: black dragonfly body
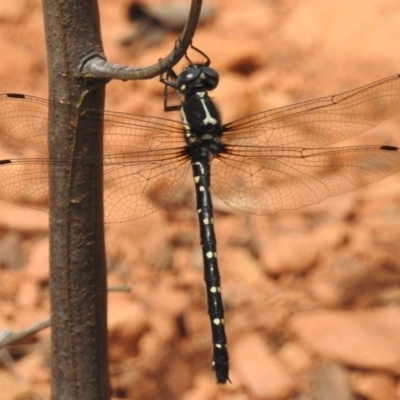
[[266, 162]]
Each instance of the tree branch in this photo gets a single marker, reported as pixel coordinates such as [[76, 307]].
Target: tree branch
[[94, 64]]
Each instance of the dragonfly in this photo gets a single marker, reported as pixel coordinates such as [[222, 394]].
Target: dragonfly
[[269, 161]]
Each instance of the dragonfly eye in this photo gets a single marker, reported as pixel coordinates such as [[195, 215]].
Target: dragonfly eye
[[197, 76], [189, 74], [211, 78]]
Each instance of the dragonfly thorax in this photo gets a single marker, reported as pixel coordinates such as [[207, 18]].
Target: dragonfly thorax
[[203, 128], [200, 116]]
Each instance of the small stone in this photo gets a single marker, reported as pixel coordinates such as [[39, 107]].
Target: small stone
[[374, 385], [127, 323], [12, 10], [291, 253], [11, 387], [37, 267], [203, 388], [23, 219], [11, 254], [27, 294], [364, 339], [331, 381], [259, 369], [295, 358]]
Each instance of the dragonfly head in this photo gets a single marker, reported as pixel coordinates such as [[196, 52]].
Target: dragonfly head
[[197, 78]]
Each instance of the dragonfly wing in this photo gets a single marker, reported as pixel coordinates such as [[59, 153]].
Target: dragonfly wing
[[135, 185], [25, 182], [144, 166], [320, 122], [125, 133], [24, 119], [139, 184], [143, 157], [261, 181]]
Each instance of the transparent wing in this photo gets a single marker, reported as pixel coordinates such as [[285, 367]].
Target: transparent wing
[[24, 119], [135, 185], [265, 180], [144, 162], [139, 184], [320, 122]]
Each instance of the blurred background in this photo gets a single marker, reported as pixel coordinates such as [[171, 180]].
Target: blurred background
[[311, 296]]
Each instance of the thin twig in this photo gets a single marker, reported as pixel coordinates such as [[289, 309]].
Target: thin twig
[[119, 288], [96, 67], [8, 337]]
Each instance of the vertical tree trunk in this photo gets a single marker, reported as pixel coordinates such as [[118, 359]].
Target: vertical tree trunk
[[77, 251]]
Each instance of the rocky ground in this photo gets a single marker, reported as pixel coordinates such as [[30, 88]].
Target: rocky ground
[[312, 295]]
